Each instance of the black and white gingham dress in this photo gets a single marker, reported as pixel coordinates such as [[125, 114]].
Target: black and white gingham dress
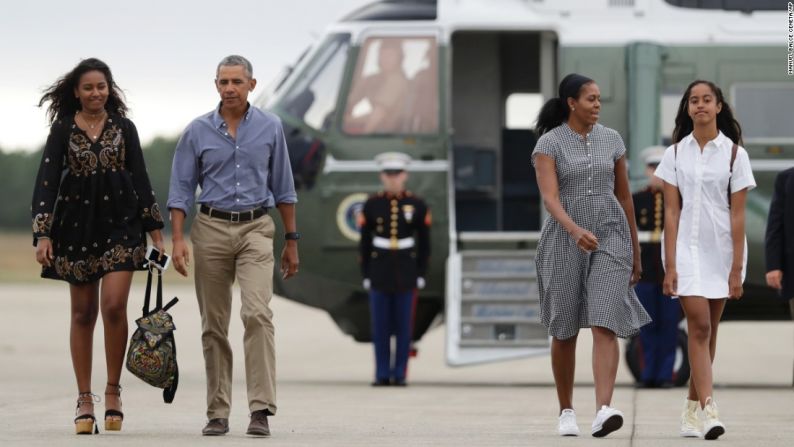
[[579, 289]]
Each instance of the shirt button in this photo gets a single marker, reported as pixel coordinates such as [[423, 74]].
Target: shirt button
[[589, 178], [589, 165], [238, 183], [588, 143], [589, 155], [238, 166], [226, 133], [589, 190], [237, 147], [236, 200]]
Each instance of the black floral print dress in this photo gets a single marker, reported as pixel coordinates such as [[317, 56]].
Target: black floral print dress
[[94, 201]]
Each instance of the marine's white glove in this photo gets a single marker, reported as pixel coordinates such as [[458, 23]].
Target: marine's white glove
[[420, 283], [366, 283]]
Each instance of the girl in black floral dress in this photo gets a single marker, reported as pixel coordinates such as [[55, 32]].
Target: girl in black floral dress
[[92, 207]]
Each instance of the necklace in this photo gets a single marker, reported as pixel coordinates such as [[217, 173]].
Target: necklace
[[93, 125], [100, 116]]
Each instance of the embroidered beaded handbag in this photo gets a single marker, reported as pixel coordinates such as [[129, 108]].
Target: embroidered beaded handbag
[[152, 352]]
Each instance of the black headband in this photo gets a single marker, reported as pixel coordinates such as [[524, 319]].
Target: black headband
[[570, 85]]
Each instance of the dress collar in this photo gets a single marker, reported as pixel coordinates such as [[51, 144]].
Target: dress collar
[[719, 141], [569, 130]]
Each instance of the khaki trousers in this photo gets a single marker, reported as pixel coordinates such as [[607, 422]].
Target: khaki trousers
[[223, 251]]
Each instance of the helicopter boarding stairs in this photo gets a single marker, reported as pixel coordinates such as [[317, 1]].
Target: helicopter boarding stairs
[[492, 306]]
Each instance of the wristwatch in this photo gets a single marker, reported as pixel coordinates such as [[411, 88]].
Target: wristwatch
[[294, 236]]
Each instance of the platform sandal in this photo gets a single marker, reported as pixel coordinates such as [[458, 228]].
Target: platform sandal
[[85, 424], [113, 418]]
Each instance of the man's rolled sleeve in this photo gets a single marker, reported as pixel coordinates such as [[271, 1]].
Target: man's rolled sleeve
[[280, 180], [184, 174]]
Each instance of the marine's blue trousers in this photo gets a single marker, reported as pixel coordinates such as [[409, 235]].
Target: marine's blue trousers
[[391, 314], [659, 338]]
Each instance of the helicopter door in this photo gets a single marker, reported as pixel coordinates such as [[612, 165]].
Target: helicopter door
[[496, 94], [499, 80]]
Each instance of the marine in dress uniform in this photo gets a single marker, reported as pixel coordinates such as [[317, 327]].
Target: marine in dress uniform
[[394, 252], [659, 338]]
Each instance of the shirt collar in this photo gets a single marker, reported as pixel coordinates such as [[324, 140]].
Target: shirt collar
[[719, 141], [217, 118]]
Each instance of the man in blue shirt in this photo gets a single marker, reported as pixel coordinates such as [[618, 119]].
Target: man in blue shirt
[[238, 156]]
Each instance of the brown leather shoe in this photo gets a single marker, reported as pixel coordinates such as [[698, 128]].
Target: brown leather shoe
[[258, 425], [216, 427]]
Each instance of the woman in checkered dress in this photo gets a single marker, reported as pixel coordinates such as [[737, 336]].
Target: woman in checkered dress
[[588, 254]]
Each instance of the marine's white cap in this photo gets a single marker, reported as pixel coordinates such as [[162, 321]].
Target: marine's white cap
[[393, 161], [653, 155]]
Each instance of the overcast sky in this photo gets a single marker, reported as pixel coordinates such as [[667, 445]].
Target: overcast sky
[[162, 53]]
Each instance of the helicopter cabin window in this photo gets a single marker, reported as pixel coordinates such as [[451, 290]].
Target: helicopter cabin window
[[313, 96], [394, 88], [668, 103], [521, 110], [764, 111]]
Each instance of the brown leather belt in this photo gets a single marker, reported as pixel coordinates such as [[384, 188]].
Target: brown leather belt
[[234, 216]]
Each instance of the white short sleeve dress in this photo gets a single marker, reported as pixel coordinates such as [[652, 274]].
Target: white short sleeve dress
[[704, 249]]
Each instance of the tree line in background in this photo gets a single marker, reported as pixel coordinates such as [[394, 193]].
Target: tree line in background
[[18, 174]]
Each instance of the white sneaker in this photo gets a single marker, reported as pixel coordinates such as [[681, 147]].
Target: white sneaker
[[607, 420], [712, 427], [690, 423], [568, 425]]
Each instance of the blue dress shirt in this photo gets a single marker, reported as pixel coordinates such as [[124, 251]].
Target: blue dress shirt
[[235, 174]]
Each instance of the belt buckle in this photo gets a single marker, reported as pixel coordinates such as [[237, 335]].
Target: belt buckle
[[233, 214]]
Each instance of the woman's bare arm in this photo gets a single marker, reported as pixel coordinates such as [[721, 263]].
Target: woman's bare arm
[[672, 214], [738, 202]]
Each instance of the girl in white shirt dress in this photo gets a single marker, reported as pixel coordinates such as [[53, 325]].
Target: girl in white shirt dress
[[707, 176]]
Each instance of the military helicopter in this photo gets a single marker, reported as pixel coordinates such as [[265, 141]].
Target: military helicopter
[[469, 78]]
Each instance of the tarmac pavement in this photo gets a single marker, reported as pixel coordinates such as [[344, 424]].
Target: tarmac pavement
[[324, 396]]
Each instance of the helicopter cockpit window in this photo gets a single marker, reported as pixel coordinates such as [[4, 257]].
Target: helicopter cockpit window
[[312, 97], [394, 88]]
